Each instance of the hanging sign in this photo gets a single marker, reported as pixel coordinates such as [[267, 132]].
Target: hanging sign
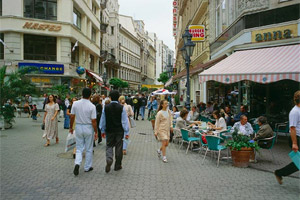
[[175, 17], [198, 32]]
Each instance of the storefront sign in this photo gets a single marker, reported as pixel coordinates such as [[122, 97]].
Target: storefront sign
[[44, 68], [38, 26], [175, 17], [40, 80], [198, 32], [278, 33]]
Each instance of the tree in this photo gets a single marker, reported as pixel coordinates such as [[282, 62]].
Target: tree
[[118, 83], [144, 89], [163, 77], [60, 90]]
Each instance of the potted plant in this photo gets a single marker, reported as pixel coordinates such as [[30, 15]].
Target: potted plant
[[241, 147]]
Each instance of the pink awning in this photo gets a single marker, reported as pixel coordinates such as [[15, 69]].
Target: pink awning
[[265, 65]]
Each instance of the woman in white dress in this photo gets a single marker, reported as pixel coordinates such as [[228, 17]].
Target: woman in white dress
[[50, 120], [220, 124]]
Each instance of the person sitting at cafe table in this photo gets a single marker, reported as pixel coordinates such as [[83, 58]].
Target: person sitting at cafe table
[[243, 111], [209, 108], [243, 126], [265, 131], [181, 121], [220, 124], [193, 114]]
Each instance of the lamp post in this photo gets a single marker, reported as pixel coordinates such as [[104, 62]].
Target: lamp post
[[187, 51], [104, 77]]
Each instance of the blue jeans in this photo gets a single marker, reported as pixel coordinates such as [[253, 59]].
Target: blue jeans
[[143, 111], [67, 120], [84, 140], [34, 117]]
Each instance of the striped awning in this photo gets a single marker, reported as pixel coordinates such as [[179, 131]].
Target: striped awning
[[96, 76], [169, 82], [265, 65]]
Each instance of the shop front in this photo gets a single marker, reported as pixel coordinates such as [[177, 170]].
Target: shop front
[[264, 79]]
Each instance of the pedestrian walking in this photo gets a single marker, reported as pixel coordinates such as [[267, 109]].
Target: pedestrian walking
[[67, 117], [129, 101], [294, 139], [45, 100], [34, 112], [97, 101], [50, 120], [129, 114], [84, 113], [163, 126], [114, 126], [136, 104], [143, 101], [69, 114], [149, 106]]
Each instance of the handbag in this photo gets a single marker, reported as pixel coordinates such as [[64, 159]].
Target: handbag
[[43, 126], [70, 142], [132, 122]]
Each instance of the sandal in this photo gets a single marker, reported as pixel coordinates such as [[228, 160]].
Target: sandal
[[47, 144], [57, 140]]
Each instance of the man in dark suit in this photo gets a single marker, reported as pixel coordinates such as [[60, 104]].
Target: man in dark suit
[[137, 105], [114, 126]]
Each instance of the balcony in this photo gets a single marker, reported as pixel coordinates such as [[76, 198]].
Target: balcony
[[103, 4], [103, 27]]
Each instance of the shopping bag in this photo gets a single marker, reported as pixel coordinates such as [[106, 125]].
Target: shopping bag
[[43, 126], [132, 122], [71, 142], [295, 156]]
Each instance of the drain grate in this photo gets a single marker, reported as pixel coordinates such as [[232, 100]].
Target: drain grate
[[142, 133]]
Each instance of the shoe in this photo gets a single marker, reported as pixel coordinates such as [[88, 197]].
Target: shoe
[[278, 178], [252, 161], [165, 160], [76, 170], [159, 153], [90, 169], [118, 168], [74, 155], [124, 152], [57, 140], [108, 165], [47, 144]]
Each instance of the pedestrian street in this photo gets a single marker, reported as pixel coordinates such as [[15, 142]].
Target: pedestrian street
[[31, 171]]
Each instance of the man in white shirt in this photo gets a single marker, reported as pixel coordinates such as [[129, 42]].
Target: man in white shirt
[[86, 125], [193, 114], [243, 126], [294, 140]]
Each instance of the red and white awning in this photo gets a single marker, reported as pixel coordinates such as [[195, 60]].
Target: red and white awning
[[265, 65], [96, 76]]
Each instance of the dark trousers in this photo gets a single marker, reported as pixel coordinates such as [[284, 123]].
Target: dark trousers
[[136, 112], [149, 111], [114, 140], [290, 168]]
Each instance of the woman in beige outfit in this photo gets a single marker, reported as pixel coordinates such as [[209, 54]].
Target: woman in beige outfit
[[129, 114], [163, 126]]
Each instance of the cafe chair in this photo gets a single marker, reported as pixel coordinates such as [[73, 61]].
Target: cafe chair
[[267, 143], [282, 128], [177, 135], [203, 145], [187, 139], [213, 143]]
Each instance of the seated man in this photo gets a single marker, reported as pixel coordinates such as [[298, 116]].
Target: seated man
[[193, 114], [182, 122], [243, 126], [209, 108], [265, 131], [243, 111]]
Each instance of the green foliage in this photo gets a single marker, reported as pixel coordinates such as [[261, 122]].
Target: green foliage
[[144, 89], [177, 99], [239, 141], [118, 83], [163, 77], [60, 90]]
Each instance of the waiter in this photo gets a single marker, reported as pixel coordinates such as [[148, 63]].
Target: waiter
[[114, 126], [86, 128]]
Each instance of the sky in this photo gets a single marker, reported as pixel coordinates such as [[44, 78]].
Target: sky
[[156, 14]]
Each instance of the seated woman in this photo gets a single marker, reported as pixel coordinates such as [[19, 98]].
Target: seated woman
[[181, 121], [243, 126], [265, 131], [220, 122], [175, 112]]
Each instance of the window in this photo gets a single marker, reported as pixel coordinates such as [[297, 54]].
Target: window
[[112, 30], [75, 54], [41, 9], [94, 33], [94, 9], [76, 18], [38, 47], [92, 62], [0, 7], [2, 46]]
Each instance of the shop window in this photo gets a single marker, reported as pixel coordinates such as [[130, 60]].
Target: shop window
[[38, 47], [92, 60], [76, 18], [2, 46], [75, 54], [41, 9], [94, 33]]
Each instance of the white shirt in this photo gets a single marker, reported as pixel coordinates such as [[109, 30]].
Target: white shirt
[[165, 113], [67, 102], [243, 129], [294, 119], [220, 123], [84, 111]]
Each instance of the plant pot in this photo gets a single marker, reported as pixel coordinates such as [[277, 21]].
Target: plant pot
[[241, 158]]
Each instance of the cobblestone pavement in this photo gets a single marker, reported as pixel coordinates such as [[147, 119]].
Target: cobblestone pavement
[[31, 171]]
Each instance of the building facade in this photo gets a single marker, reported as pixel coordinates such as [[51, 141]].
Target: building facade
[[44, 34]]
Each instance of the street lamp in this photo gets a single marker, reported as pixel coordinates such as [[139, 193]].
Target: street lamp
[[104, 76], [187, 52]]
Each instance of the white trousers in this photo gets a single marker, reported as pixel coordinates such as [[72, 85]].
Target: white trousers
[[84, 140]]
